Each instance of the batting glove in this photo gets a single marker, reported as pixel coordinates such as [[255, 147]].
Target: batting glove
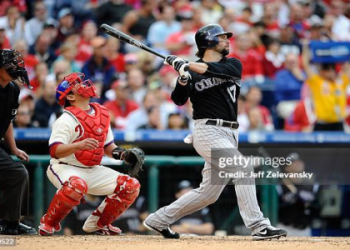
[[178, 64], [185, 75], [169, 60], [183, 69]]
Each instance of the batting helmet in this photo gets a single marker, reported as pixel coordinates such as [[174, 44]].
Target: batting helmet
[[207, 36], [12, 62], [75, 83]]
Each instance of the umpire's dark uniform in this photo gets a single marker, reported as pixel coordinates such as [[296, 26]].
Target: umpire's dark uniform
[[14, 180], [13, 175]]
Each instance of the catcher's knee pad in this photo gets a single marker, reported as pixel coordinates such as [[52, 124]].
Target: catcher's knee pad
[[126, 192], [62, 203], [128, 188], [75, 189]]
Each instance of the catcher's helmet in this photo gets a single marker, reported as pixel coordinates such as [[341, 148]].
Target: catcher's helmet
[[12, 62], [74, 82], [207, 36]]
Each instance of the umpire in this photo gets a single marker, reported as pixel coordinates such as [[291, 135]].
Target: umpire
[[14, 179]]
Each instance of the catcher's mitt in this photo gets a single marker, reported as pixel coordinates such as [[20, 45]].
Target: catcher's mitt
[[135, 158]]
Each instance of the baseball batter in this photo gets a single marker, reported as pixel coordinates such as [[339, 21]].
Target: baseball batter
[[79, 139], [213, 85]]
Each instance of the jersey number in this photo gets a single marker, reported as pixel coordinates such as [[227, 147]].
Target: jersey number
[[232, 92]]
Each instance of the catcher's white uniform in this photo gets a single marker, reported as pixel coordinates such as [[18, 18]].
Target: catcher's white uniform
[[100, 180]]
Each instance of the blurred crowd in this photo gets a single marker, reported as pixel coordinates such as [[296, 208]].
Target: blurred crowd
[[279, 85]]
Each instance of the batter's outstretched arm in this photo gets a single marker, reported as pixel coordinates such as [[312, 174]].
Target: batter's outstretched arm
[[181, 93], [231, 68]]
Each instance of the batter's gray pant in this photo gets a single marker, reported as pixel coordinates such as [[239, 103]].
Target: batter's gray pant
[[206, 138]]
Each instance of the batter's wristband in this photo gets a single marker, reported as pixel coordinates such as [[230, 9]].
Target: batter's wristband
[[117, 153], [183, 81]]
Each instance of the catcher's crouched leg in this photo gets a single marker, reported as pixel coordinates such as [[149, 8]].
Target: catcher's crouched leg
[[62, 203], [113, 206]]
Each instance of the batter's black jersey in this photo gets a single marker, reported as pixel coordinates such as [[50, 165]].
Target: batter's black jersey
[[213, 94], [8, 106]]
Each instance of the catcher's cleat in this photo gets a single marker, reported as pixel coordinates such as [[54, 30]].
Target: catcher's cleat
[[109, 230], [167, 232], [270, 232], [47, 230]]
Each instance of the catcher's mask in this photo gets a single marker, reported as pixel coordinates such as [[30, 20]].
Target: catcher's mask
[[11, 60], [76, 84]]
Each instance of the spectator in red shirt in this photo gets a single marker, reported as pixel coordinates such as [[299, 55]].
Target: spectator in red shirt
[[273, 59], [41, 72], [249, 58], [4, 42], [30, 61], [113, 55], [121, 107], [85, 50], [303, 118], [270, 19], [181, 43], [4, 4], [254, 97]]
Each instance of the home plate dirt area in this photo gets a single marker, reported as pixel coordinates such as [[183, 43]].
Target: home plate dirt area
[[144, 242]]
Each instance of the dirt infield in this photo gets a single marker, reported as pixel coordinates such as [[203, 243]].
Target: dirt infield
[[156, 242]]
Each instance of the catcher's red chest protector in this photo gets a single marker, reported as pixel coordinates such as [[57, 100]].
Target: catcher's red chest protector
[[94, 126]]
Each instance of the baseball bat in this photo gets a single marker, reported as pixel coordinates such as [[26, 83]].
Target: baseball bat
[[125, 38]]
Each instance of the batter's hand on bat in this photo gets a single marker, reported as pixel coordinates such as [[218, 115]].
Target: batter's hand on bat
[[169, 60], [178, 64], [184, 77], [88, 144]]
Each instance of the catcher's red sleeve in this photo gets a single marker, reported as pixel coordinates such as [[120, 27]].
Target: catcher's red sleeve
[[53, 147]]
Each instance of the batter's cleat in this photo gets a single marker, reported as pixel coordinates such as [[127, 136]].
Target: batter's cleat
[[270, 232], [109, 230], [26, 230], [167, 232]]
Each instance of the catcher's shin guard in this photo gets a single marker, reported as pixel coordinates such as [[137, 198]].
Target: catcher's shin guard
[[126, 192], [62, 203]]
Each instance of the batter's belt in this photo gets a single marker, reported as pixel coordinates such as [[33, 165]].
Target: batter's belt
[[222, 123]]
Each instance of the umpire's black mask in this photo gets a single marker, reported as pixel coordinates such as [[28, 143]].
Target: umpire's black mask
[[11, 61]]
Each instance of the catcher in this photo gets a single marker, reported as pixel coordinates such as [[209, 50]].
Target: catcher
[[79, 139]]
